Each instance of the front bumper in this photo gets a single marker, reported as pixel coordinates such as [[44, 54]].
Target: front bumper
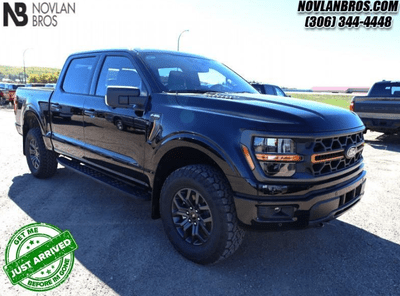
[[297, 212]]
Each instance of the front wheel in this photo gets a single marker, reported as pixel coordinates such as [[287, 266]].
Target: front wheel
[[42, 162], [199, 214]]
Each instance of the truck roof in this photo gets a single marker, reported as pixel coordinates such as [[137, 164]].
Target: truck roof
[[141, 51], [387, 82]]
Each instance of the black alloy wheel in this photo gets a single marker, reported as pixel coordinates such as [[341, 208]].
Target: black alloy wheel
[[199, 214], [192, 216], [34, 153], [42, 162]]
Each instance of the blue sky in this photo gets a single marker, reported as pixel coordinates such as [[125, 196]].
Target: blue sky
[[261, 40]]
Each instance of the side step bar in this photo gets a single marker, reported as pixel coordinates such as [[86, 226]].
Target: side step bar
[[101, 176]]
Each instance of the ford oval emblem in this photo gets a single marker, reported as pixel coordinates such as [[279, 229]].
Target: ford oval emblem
[[351, 151]]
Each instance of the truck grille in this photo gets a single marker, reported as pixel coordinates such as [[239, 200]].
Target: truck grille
[[336, 154]]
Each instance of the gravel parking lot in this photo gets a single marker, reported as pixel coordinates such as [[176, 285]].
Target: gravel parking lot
[[121, 250]]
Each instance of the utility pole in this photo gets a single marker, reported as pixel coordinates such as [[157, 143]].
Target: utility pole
[[24, 64]]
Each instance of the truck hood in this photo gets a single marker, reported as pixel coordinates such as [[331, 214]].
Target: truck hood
[[282, 114]]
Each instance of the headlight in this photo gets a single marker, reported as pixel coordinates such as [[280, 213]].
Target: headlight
[[277, 157]]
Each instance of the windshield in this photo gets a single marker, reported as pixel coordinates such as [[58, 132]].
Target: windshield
[[176, 73]]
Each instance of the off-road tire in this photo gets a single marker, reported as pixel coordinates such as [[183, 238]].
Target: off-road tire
[[214, 195], [42, 162]]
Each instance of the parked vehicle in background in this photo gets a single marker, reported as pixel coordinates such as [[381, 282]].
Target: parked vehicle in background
[[3, 90], [269, 89], [213, 152], [35, 85], [51, 85], [7, 92], [10, 94], [380, 108]]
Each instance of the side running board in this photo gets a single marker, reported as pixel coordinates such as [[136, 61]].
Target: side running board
[[101, 176]]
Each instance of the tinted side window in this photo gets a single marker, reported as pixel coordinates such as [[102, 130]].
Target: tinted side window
[[118, 71], [269, 90], [259, 88], [279, 92], [79, 75]]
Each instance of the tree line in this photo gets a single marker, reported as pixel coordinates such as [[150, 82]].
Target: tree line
[[32, 74], [43, 78]]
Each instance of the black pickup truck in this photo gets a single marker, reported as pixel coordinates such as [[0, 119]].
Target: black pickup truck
[[380, 109], [213, 155]]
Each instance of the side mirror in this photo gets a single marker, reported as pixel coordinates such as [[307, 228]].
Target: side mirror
[[125, 97]]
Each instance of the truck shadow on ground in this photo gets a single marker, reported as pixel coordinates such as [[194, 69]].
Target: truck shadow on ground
[[383, 142], [122, 246]]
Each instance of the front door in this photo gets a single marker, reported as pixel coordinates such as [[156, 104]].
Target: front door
[[115, 137]]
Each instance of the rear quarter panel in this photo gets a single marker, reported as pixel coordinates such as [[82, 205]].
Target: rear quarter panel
[[34, 101]]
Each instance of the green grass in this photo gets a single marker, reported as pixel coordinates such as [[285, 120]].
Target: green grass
[[339, 100]]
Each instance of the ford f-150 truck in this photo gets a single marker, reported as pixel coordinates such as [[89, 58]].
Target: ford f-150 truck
[[213, 155], [380, 109]]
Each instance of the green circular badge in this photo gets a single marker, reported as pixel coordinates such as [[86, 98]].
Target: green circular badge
[[40, 257]]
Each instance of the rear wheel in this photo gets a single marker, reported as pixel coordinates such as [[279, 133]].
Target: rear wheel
[[199, 214], [42, 162]]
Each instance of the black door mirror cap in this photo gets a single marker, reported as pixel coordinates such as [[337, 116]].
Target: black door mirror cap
[[124, 97]]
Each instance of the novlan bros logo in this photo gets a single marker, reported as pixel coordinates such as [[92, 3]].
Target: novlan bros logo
[[19, 10], [44, 14]]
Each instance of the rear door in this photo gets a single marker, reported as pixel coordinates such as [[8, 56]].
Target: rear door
[[66, 105], [115, 137]]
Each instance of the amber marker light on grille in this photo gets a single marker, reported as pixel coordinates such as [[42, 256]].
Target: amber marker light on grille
[[328, 157], [283, 158], [248, 157]]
